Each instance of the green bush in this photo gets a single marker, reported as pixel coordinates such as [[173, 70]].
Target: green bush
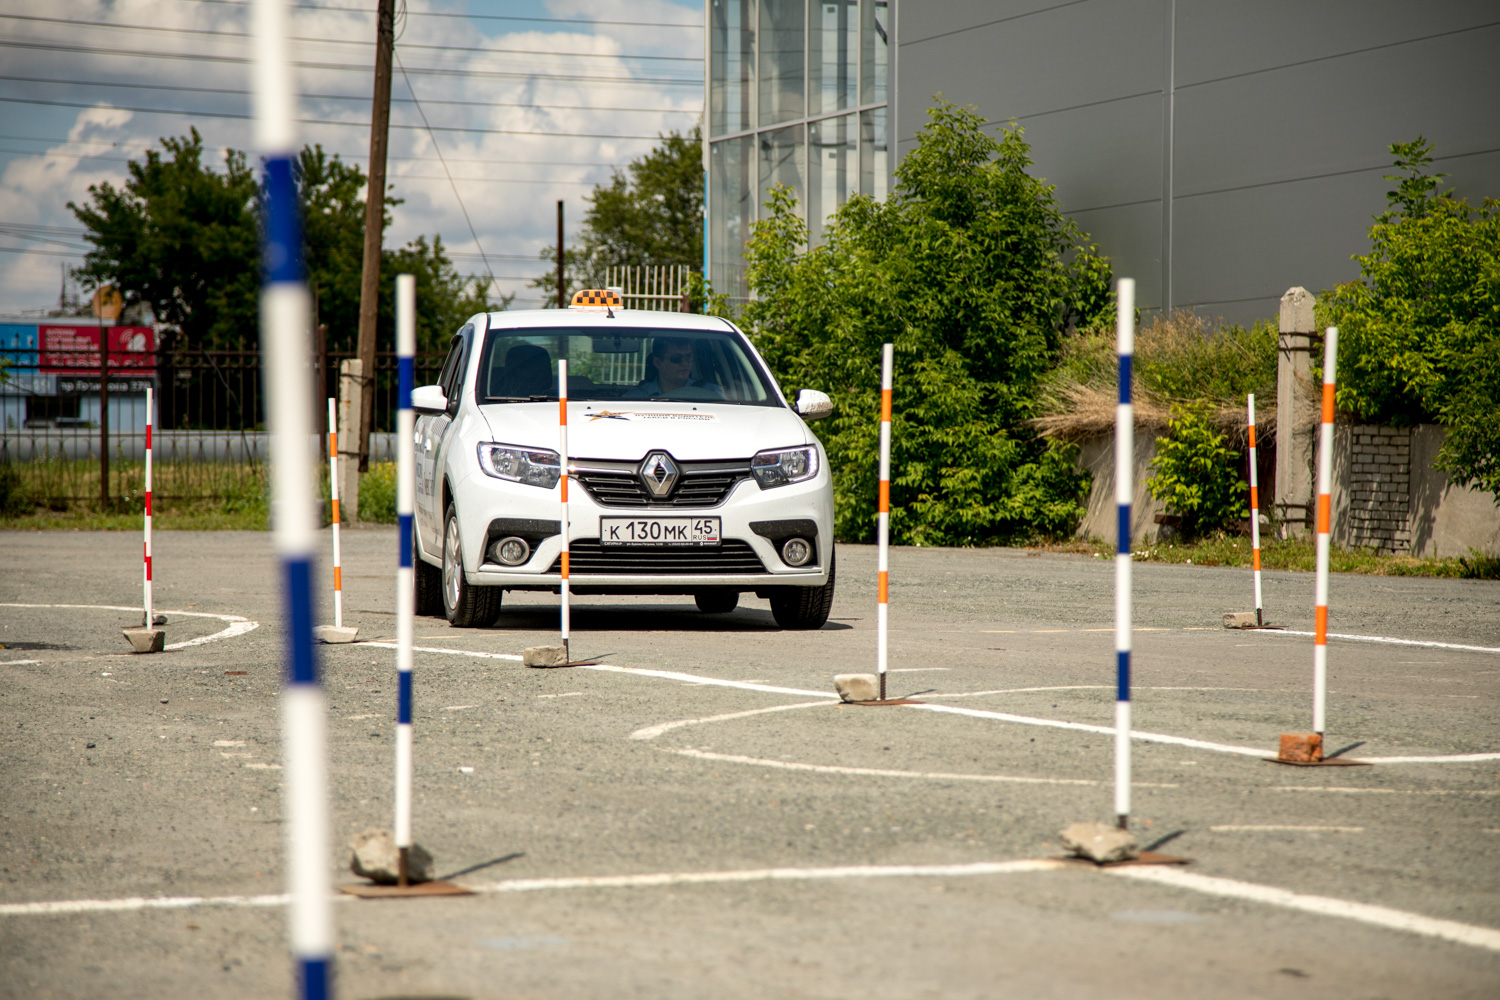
[[1419, 331], [972, 271], [1196, 473], [377, 493]]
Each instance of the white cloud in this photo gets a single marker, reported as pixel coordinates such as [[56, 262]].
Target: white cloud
[[510, 178]]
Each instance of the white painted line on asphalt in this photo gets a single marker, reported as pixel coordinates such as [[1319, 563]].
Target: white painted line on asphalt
[[673, 675], [771, 875], [1388, 640], [17, 663], [1027, 720], [1276, 828], [652, 732], [880, 772], [238, 625], [1341, 790], [1077, 687], [1323, 906], [65, 906]]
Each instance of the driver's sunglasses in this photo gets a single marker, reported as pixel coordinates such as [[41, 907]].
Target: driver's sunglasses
[[677, 359]]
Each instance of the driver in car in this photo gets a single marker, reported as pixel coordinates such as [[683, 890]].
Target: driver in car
[[671, 362]]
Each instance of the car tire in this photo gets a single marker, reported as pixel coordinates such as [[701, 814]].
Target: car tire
[[427, 582], [804, 607], [464, 605], [717, 602]]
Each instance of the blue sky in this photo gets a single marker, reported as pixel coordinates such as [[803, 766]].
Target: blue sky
[[117, 75]]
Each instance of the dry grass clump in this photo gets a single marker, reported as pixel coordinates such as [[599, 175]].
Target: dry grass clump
[[1180, 358]]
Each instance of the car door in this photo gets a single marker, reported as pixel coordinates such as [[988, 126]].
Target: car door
[[431, 428]]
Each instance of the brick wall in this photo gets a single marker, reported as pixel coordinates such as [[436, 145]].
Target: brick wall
[[1380, 489]]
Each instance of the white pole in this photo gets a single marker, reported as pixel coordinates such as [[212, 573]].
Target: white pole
[[406, 349], [148, 621], [562, 461], [1325, 510], [883, 515], [333, 486], [285, 318], [1124, 492], [1254, 511]]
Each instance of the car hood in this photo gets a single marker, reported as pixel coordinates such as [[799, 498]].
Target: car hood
[[626, 430]]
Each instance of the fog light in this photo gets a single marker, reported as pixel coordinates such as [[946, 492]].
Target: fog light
[[512, 551], [796, 551]]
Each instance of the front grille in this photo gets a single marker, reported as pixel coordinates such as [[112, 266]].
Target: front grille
[[701, 484], [730, 557]]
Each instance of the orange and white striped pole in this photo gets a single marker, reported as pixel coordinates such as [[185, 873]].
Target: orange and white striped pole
[[883, 517], [1325, 518], [562, 461], [1254, 511], [333, 489], [148, 620]]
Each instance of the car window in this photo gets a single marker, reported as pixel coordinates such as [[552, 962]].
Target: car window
[[633, 363], [452, 375]]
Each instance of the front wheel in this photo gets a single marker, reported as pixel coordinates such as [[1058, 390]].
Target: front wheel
[[464, 606], [804, 607]]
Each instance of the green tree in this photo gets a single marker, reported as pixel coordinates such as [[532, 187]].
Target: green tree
[[1196, 472], [1419, 330], [182, 237], [649, 214], [971, 270], [446, 297]]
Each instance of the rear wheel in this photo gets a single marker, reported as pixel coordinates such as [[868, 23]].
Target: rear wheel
[[804, 607], [427, 581], [464, 605], [717, 602]]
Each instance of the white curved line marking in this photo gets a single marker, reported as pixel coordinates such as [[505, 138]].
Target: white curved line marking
[[652, 732], [880, 772], [238, 624], [1025, 720], [1324, 906], [1078, 687], [1388, 640]]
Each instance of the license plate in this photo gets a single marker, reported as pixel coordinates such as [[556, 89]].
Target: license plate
[[659, 530]]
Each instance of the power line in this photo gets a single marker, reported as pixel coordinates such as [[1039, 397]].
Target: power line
[[324, 121], [469, 17], [339, 41], [350, 67], [352, 157], [236, 92]]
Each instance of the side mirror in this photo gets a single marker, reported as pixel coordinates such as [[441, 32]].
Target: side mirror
[[429, 399], [813, 405]]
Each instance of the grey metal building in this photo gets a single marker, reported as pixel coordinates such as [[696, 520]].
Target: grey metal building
[[1219, 151]]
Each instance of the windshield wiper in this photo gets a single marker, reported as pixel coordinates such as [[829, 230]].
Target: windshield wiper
[[520, 399]]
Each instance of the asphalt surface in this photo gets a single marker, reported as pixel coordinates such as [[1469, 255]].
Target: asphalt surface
[[158, 776]]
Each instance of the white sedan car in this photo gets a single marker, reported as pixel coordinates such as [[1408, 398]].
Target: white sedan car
[[689, 472]]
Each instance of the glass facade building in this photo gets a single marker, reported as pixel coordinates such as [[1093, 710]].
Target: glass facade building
[[797, 94]]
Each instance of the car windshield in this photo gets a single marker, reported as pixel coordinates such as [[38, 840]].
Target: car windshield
[[520, 365]]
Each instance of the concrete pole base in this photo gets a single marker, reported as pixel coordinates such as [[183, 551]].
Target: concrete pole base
[[146, 640], [1240, 619], [334, 633], [544, 656]]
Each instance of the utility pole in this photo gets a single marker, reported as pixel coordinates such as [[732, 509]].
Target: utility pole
[[369, 286], [562, 289]]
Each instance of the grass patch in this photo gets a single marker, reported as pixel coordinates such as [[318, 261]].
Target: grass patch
[[1296, 554]]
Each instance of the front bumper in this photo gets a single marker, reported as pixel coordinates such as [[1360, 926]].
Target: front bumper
[[752, 527]]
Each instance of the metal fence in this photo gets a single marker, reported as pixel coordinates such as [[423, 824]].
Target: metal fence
[[659, 288], [72, 422]]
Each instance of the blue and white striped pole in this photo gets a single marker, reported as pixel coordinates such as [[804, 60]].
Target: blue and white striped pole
[[285, 316], [406, 349], [1124, 489]]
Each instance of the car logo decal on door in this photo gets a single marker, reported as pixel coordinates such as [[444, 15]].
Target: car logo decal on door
[[658, 473]]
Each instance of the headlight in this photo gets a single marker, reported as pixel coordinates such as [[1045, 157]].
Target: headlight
[[784, 465], [520, 465]]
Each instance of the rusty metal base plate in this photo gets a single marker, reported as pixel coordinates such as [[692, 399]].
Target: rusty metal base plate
[[885, 703], [1325, 762], [1145, 858], [369, 890]]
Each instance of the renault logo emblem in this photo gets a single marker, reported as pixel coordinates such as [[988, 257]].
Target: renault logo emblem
[[659, 473]]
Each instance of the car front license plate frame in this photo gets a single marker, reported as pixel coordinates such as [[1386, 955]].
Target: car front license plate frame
[[687, 532]]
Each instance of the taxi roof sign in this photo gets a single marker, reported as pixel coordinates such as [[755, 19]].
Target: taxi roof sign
[[597, 298]]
